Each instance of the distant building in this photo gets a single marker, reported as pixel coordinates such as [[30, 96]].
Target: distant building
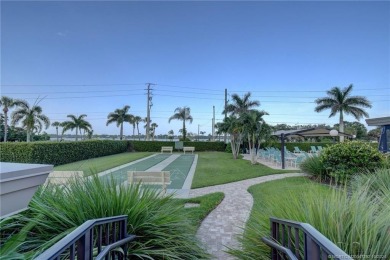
[[384, 140]]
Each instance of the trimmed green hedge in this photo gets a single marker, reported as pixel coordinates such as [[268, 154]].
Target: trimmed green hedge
[[155, 146], [58, 153], [306, 146]]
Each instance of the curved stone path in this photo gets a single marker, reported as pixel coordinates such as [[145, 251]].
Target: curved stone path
[[221, 227]]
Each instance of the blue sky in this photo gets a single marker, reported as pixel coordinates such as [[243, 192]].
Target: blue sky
[[93, 57]]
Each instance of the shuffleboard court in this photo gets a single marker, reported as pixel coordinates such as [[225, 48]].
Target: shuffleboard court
[[179, 169], [120, 175]]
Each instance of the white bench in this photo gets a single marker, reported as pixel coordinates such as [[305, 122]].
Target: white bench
[[62, 177], [166, 149], [154, 178], [188, 149]]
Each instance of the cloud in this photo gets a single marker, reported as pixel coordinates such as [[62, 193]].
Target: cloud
[[62, 34]]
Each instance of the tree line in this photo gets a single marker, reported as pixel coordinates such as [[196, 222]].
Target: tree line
[[244, 120]]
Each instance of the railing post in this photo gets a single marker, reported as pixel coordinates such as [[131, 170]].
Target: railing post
[[312, 250], [315, 245], [274, 231], [123, 228], [84, 247]]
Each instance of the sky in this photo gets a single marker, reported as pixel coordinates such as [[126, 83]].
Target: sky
[[92, 57]]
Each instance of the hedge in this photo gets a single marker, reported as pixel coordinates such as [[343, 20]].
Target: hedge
[[155, 146], [58, 153], [307, 146]]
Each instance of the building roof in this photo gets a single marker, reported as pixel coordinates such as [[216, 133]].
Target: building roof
[[379, 121]]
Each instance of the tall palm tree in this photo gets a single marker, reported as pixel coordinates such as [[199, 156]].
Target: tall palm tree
[[234, 128], [31, 118], [252, 122], [7, 103], [145, 120], [241, 105], [153, 127], [341, 101], [133, 124], [171, 133], [56, 124], [78, 123], [137, 120], [183, 114], [62, 124], [119, 116]]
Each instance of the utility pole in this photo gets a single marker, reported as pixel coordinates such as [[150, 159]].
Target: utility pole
[[149, 105], [224, 136], [213, 127], [198, 132]]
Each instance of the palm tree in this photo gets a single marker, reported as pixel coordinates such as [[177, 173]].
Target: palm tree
[[341, 101], [56, 124], [183, 114], [132, 123], [153, 130], [7, 103], [62, 124], [241, 105], [145, 120], [119, 116], [77, 123], [252, 122], [31, 118], [137, 120], [171, 134], [234, 128]]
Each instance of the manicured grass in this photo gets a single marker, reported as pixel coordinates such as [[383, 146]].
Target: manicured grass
[[100, 164], [267, 197], [207, 204], [218, 168]]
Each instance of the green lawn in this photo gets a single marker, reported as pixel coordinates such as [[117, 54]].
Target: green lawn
[[218, 168], [267, 198], [285, 189], [100, 164], [207, 204]]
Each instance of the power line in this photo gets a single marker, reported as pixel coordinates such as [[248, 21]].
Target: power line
[[292, 91], [165, 85], [68, 92], [91, 96], [72, 85], [172, 86]]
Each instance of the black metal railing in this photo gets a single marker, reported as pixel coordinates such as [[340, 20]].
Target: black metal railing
[[300, 241], [95, 238]]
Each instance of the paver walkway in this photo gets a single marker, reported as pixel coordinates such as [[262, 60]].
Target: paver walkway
[[220, 228]]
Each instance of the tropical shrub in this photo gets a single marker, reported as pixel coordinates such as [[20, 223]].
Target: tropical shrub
[[350, 220], [345, 159], [314, 166], [228, 149], [161, 225]]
